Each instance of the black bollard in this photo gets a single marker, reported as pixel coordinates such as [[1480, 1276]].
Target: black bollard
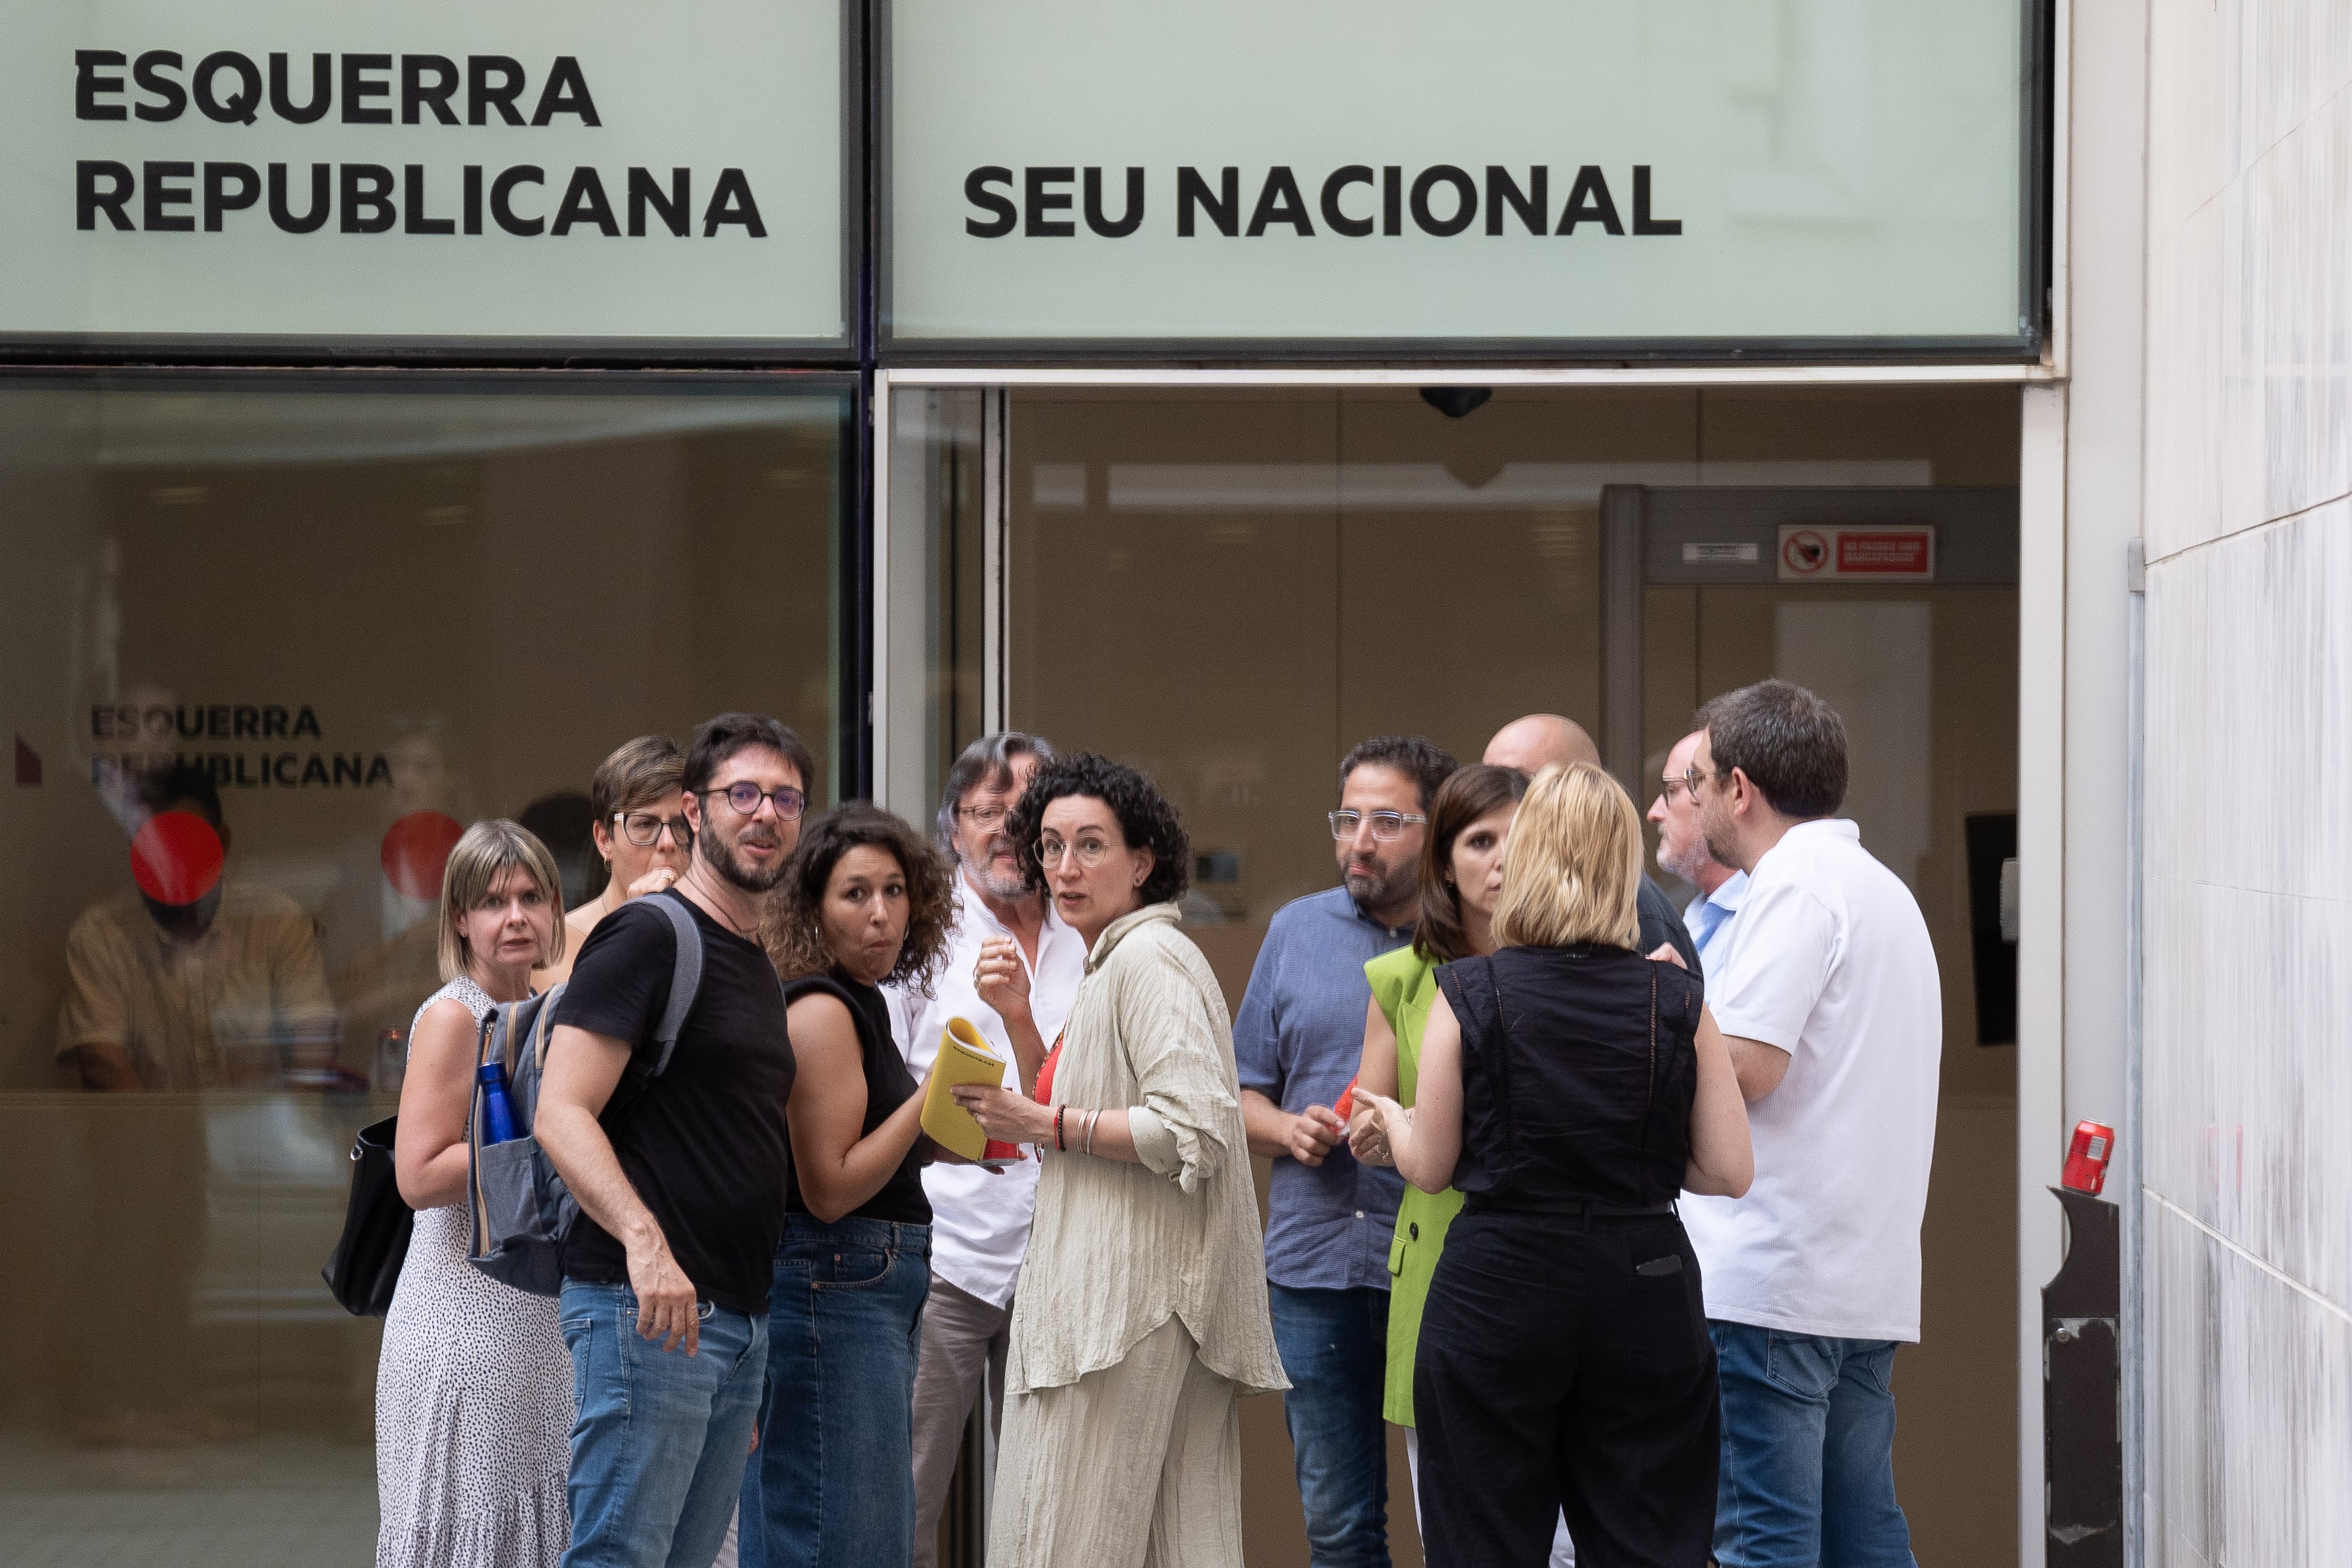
[[2082, 1373]]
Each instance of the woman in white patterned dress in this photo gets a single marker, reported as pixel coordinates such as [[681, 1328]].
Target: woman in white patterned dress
[[473, 1405]]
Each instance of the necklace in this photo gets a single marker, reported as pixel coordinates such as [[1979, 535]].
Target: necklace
[[720, 910]]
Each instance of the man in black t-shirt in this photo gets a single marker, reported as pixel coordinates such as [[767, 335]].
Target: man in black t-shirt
[[680, 1184]]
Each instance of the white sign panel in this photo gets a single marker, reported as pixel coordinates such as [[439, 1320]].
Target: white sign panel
[[423, 169], [1801, 171]]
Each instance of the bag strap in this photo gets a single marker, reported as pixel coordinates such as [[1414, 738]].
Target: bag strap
[[685, 979]]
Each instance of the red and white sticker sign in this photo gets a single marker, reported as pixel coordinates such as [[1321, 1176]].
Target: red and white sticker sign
[[1814, 552]]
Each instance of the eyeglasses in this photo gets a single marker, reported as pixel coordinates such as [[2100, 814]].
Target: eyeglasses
[[987, 819], [644, 829], [1689, 778], [1387, 826], [1089, 852], [746, 796]]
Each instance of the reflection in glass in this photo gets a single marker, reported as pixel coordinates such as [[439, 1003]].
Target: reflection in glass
[[270, 650]]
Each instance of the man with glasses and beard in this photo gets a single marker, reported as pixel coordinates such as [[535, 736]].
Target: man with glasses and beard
[[1298, 1042], [1681, 849], [1013, 967], [681, 1187]]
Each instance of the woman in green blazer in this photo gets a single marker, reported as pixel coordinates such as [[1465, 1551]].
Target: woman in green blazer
[[1461, 873]]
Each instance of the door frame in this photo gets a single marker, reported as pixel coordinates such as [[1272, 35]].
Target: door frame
[[2042, 737]]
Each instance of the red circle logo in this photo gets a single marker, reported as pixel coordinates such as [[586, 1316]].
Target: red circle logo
[[176, 858], [1805, 552], [417, 853]]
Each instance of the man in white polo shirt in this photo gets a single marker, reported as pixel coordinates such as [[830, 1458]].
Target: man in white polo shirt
[[1009, 947], [1828, 996]]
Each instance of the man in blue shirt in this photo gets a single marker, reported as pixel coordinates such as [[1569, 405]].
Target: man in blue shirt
[[1298, 1041], [1681, 849]]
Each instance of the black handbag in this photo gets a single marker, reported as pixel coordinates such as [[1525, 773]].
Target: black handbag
[[365, 1267]]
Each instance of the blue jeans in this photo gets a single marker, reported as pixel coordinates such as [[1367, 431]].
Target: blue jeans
[[1335, 1346], [659, 1436], [1807, 1474], [834, 1483]]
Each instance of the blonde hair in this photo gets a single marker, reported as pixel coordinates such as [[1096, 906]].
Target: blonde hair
[[1573, 864], [486, 850]]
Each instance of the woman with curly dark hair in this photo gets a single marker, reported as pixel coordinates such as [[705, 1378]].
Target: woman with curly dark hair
[[865, 899], [1141, 1316]]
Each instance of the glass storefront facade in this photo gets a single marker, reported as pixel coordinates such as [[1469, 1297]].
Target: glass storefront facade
[[1229, 588], [336, 596], [335, 617]]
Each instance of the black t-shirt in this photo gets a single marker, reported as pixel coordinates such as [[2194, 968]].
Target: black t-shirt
[[705, 1144], [888, 1085]]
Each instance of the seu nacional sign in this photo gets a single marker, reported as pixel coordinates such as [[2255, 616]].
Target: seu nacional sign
[[1538, 174]]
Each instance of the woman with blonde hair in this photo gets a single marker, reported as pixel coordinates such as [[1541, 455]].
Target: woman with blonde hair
[[1569, 1087], [473, 1405]]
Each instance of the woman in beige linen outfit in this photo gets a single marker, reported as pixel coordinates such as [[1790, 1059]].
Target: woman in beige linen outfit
[[1141, 1316]]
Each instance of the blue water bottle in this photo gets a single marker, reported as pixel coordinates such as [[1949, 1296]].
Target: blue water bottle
[[497, 1112]]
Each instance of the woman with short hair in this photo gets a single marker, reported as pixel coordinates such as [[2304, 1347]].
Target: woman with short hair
[[637, 798], [473, 1405], [1141, 1316], [1570, 1088], [865, 900]]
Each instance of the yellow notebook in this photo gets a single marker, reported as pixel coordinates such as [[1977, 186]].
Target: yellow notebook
[[964, 1057]]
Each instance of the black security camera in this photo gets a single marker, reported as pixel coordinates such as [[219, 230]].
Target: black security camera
[[1456, 402]]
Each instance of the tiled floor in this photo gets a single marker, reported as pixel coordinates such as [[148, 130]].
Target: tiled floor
[[281, 1502]]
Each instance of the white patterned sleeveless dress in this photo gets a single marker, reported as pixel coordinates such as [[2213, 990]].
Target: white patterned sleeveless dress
[[473, 1403]]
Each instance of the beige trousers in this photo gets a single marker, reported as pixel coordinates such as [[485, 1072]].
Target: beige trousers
[[964, 1340], [1137, 1465]]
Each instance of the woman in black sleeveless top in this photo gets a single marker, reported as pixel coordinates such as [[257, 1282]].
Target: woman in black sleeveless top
[[863, 901], [1569, 1087]]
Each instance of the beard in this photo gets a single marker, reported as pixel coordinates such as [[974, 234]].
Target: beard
[[980, 867], [1005, 884], [1377, 889], [719, 856], [1719, 848], [1685, 861]]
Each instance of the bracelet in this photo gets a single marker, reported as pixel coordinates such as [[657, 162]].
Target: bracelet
[[1090, 1131], [1059, 1113]]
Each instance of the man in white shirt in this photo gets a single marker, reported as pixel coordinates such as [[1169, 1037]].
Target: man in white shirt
[[1681, 849], [1829, 998], [1009, 945]]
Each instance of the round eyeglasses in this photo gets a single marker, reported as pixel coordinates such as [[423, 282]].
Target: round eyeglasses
[[746, 796], [1088, 853]]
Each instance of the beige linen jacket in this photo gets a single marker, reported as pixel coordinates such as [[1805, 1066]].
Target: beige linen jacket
[[1116, 1248]]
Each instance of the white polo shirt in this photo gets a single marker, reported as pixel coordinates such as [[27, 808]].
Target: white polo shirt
[[979, 1223], [1829, 961]]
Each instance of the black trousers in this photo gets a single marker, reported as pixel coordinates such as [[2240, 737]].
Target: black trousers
[[1564, 1364]]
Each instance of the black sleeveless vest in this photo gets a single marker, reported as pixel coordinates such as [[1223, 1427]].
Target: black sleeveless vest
[[888, 1085], [1579, 1067]]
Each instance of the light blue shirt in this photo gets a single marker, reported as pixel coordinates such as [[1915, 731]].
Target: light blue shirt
[[1710, 919], [1298, 1041]]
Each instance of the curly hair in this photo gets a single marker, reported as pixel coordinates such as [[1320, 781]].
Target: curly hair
[[1146, 820], [791, 919]]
